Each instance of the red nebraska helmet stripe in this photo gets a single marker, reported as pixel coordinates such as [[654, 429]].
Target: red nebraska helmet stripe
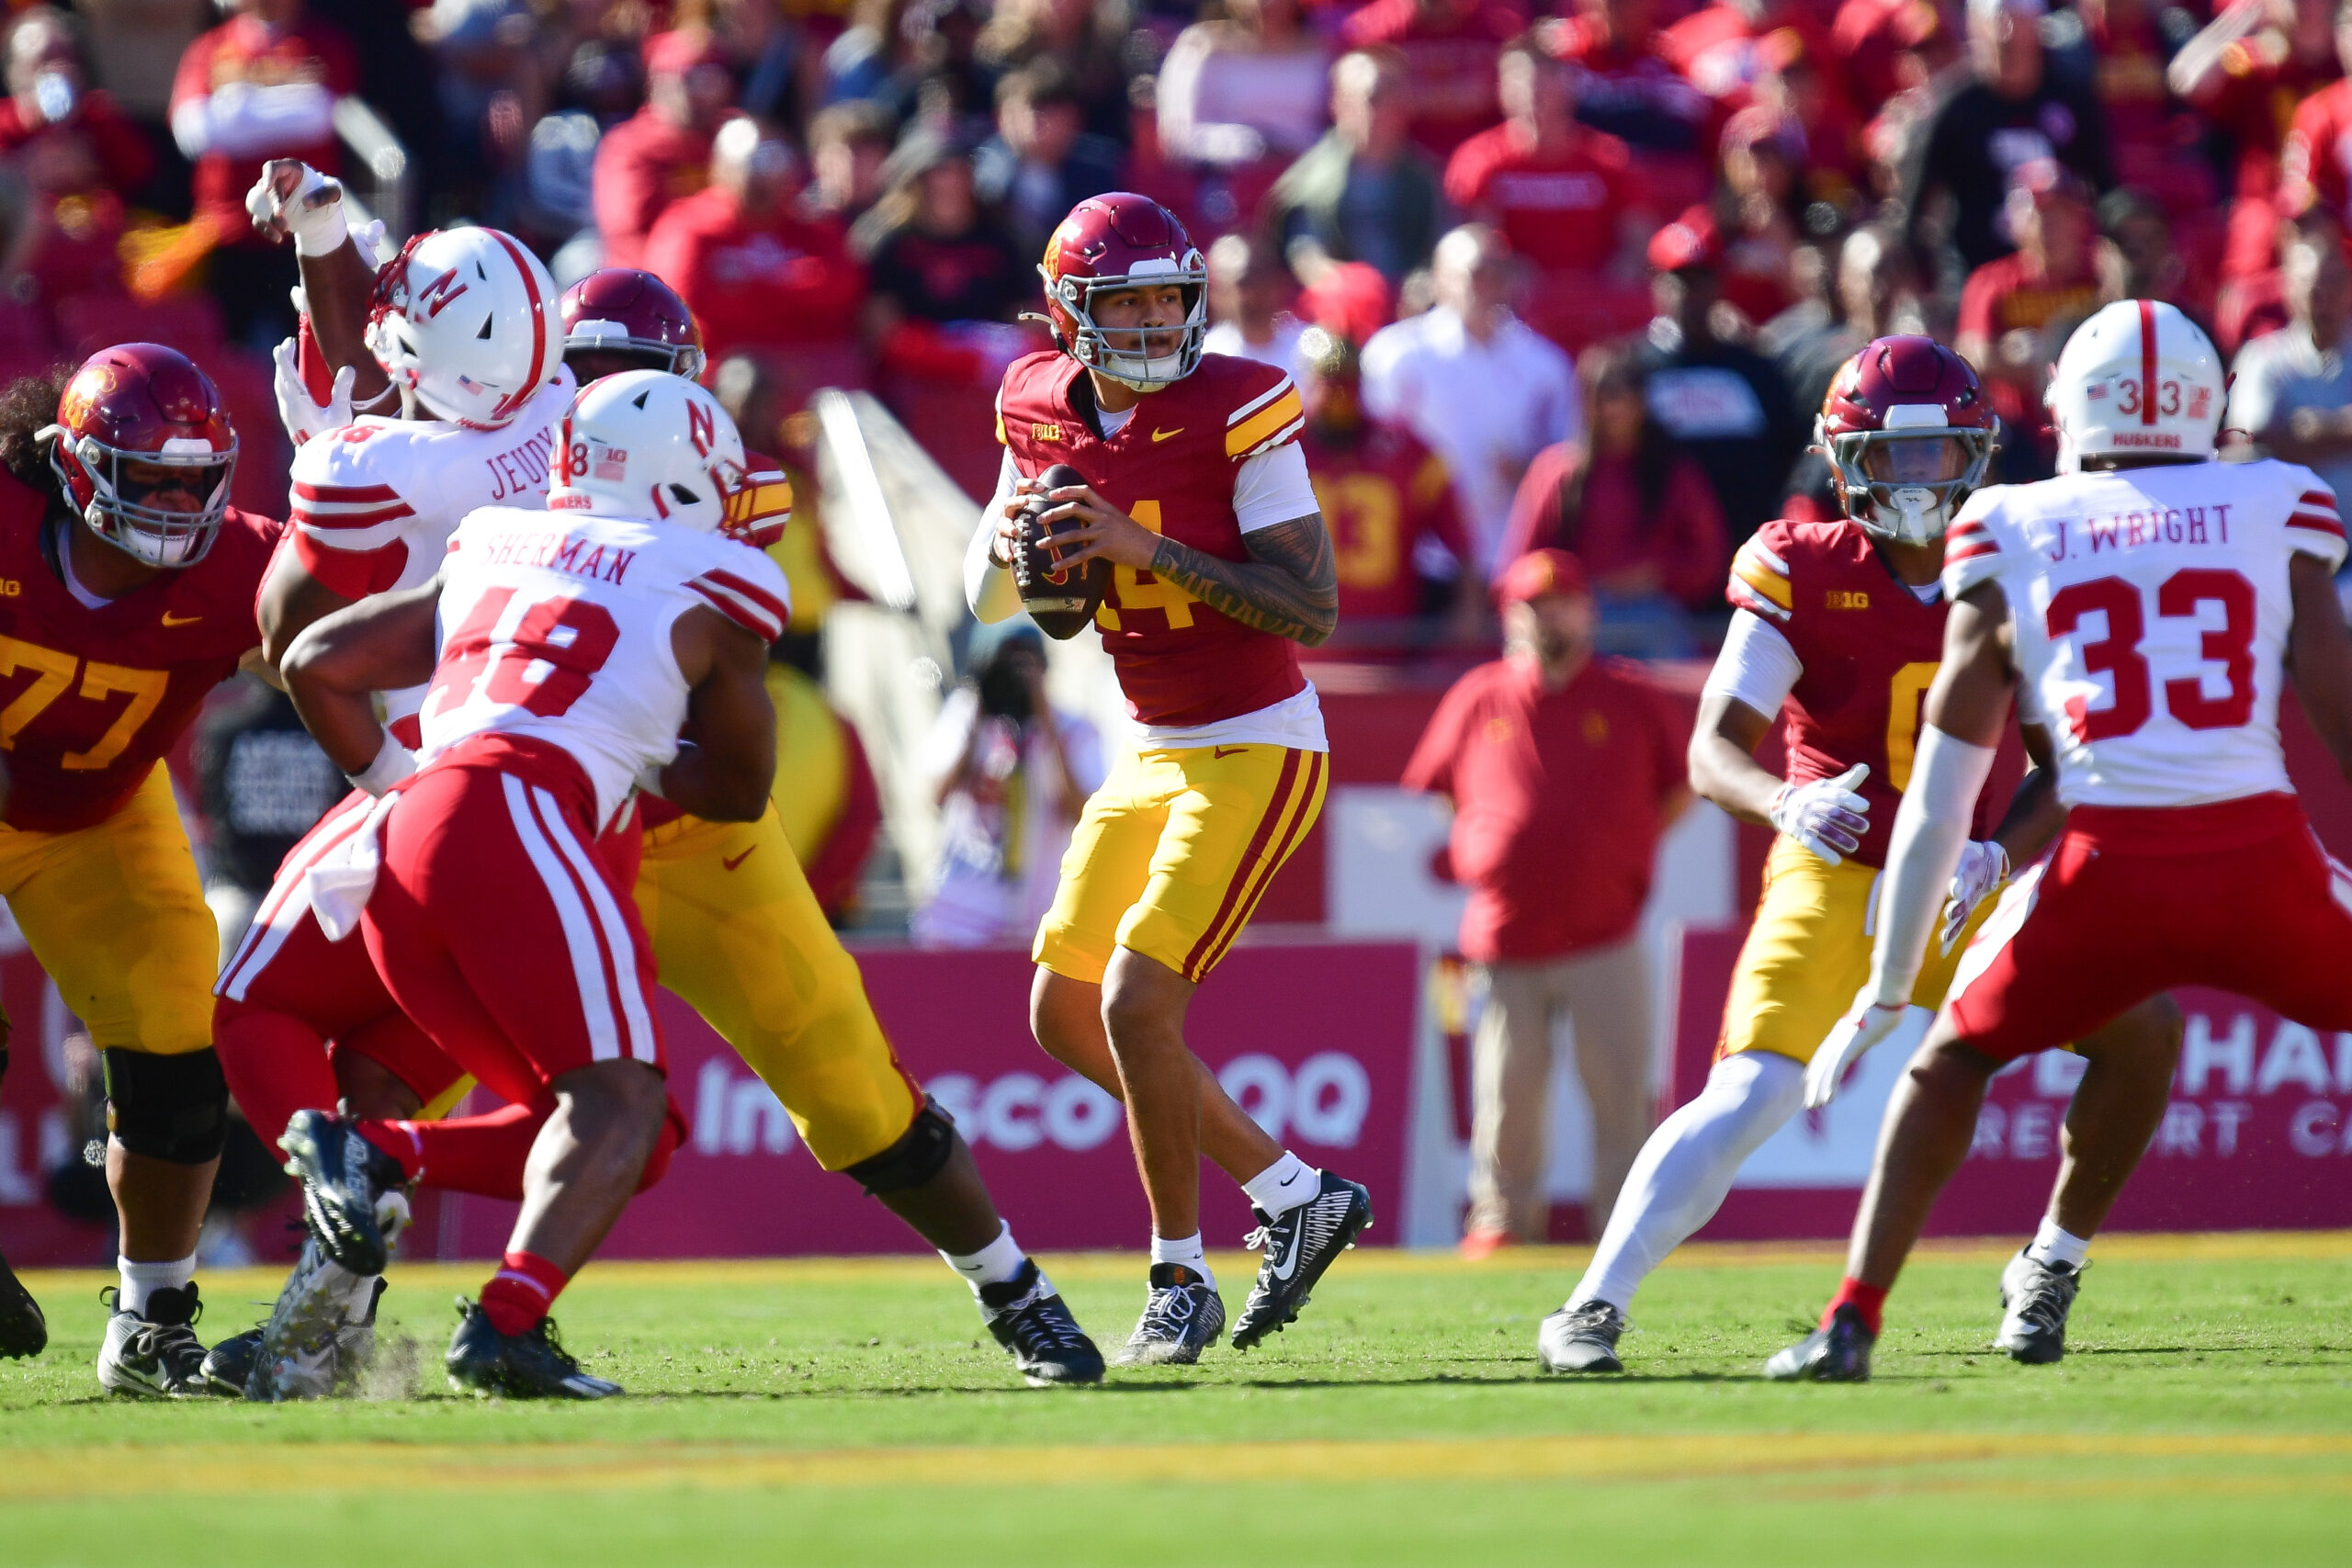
[[515, 400], [2147, 362]]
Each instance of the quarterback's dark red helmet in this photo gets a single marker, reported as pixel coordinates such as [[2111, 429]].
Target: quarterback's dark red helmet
[[144, 452], [620, 310], [1123, 240], [1908, 432]]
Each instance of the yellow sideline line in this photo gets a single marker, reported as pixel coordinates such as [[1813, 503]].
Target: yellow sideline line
[[700, 1274], [214, 1470]]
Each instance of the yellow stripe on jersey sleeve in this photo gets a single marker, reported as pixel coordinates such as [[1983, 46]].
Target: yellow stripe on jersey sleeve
[[1268, 421], [1755, 568]]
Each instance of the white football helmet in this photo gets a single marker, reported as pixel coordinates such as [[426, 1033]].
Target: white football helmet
[[646, 443], [466, 318], [2138, 380]]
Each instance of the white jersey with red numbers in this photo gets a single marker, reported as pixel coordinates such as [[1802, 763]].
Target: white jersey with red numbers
[[2150, 610], [374, 502], [556, 625]]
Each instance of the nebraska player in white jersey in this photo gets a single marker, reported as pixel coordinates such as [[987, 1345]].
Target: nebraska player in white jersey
[[2150, 606], [574, 647]]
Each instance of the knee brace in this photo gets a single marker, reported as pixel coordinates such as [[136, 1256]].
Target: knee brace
[[919, 1155], [168, 1108]]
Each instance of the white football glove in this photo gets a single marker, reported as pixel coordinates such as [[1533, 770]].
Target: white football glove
[[1825, 816], [311, 213], [1983, 866], [300, 416], [1869, 1023]]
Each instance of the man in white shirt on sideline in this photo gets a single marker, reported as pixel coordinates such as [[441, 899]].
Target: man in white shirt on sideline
[[1245, 305], [1475, 382]]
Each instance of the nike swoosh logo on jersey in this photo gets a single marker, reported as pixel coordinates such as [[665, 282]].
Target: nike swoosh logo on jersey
[[739, 860], [1159, 435], [1223, 752], [172, 620]]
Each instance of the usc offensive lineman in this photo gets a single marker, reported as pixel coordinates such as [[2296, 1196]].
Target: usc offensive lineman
[[2151, 604], [1836, 630], [127, 586], [1199, 496]]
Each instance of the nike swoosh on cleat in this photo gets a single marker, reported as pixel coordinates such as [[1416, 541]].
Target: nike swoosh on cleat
[[1289, 1266], [739, 860]]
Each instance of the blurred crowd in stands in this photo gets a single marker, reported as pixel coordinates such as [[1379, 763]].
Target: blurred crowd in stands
[[1576, 276]]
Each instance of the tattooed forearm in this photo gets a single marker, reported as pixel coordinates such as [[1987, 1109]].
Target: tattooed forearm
[[1290, 585]]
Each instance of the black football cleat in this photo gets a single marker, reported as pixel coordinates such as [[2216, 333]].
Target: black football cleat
[[1030, 1321], [22, 1330], [1839, 1353], [1581, 1337], [1298, 1244], [344, 1178], [2035, 1300], [483, 1362], [155, 1355], [1182, 1318], [228, 1364], [320, 1333]]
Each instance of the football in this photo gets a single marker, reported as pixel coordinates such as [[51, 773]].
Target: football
[[1061, 602]]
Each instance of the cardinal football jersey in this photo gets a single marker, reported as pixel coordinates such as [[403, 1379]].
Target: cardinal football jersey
[[1868, 647], [556, 625], [374, 502], [2149, 611], [1170, 467]]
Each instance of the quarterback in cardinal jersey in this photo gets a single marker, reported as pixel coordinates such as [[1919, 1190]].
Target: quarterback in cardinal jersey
[[1197, 492]]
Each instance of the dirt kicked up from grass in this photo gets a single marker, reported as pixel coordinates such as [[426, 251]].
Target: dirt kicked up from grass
[[855, 1411]]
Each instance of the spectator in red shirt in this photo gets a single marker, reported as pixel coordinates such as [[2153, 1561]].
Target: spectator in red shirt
[[1385, 496], [2244, 73], [753, 272], [79, 160], [2154, 139], [1565, 771], [1632, 506], [1449, 48], [663, 152], [1561, 194], [261, 85], [2011, 303]]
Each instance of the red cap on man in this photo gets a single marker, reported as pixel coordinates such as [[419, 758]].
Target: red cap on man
[[1540, 572]]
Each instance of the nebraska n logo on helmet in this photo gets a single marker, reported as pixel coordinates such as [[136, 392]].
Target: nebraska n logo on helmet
[[648, 444], [464, 318], [2138, 380], [143, 453], [1907, 433], [1118, 242]]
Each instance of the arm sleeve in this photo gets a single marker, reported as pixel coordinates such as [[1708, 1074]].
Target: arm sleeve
[[1270, 487], [1931, 825], [988, 587], [1757, 666], [1972, 549], [2315, 528]]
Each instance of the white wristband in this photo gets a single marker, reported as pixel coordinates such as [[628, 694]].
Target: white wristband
[[393, 762], [318, 231]]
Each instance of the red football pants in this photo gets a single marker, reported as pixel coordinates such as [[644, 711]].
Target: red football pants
[[2238, 895]]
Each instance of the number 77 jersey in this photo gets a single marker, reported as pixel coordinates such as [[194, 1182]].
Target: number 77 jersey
[[2150, 610], [558, 625]]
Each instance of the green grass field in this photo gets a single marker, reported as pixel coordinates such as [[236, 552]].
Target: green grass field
[[854, 1412]]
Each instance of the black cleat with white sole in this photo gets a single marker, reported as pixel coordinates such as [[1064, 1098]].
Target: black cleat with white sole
[[1032, 1323], [1839, 1353], [1182, 1318], [22, 1330], [534, 1365], [2035, 1299], [154, 1354], [344, 1178], [1298, 1244], [1581, 1337]]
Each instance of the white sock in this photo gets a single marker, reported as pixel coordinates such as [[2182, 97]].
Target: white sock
[[2051, 1245], [1681, 1177], [141, 1280], [992, 1265], [1185, 1250], [1284, 1185]]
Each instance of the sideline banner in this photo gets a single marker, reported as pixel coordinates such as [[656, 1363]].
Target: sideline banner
[[2258, 1135]]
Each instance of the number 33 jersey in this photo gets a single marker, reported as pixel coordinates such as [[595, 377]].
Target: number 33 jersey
[[90, 698], [556, 626], [2150, 610]]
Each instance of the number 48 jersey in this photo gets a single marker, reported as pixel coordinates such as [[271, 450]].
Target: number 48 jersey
[[2150, 610], [556, 626]]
